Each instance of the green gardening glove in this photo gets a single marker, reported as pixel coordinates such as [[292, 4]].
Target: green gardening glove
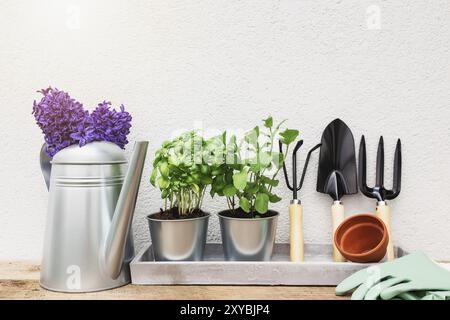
[[425, 295], [436, 295], [407, 277]]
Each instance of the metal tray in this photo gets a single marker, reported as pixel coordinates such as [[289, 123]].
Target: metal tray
[[318, 269]]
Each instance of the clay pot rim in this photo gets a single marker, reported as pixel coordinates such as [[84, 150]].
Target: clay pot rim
[[361, 255]]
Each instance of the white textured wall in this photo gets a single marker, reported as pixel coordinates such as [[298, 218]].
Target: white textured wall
[[229, 64]]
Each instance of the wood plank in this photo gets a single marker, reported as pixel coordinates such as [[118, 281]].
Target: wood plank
[[19, 280], [29, 289]]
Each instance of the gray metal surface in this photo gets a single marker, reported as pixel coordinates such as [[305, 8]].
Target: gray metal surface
[[88, 241], [248, 239], [317, 270], [178, 240]]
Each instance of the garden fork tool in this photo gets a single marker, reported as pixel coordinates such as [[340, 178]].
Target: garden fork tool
[[295, 208], [379, 192]]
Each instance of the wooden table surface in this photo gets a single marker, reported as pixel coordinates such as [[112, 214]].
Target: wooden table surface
[[20, 280]]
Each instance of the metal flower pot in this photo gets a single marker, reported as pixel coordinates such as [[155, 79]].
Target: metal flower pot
[[178, 240], [250, 239]]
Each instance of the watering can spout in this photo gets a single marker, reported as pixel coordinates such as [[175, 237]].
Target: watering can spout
[[123, 214]]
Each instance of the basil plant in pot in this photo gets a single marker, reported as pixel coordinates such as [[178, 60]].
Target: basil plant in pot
[[247, 179], [178, 231]]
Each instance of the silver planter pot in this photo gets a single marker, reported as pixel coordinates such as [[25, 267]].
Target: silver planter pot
[[248, 239], [178, 240]]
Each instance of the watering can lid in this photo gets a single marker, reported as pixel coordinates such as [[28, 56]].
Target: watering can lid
[[97, 152]]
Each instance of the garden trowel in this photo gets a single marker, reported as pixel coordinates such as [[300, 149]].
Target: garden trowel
[[337, 171]]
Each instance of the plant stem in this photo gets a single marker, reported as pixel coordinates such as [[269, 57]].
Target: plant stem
[[229, 204], [278, 170]]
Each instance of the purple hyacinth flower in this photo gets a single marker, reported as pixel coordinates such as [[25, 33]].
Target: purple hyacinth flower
[[83, 135], [64, 122]]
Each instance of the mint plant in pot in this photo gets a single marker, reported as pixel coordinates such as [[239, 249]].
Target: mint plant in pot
[[178, 231], [247, 179]]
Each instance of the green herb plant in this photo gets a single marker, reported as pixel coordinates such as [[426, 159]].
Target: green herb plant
[[249, 171], [180, 173]]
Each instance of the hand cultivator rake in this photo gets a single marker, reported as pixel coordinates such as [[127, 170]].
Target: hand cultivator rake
[[296, 208]]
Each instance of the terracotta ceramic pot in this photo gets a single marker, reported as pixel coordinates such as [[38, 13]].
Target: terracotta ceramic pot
[[362, 238]]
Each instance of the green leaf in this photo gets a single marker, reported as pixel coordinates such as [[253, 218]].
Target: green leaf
[[262, 203], [224, 138], [164, 169], [204, 169], [229, 191], [240, 180], [237, 166], [251, 188], [195, 188], [206, 180], [157, 159], [153, 176], [163, 183], [288, 136], [268, 123], [251, 137], [274, 198], [254, 166], [218, 183], [244, 204], [175, 161], [232, 144], [229, 177], [256, 129], [264, 158], [269, 181]]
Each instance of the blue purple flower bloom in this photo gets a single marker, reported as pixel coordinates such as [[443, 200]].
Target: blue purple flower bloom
[[111, 125], [64, 122]]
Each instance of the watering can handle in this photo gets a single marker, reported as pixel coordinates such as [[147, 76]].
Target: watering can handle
[[46, 166]]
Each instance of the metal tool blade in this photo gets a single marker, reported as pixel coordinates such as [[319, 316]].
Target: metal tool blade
[[337, 162]]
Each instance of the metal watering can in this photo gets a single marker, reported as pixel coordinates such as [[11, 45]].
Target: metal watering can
[[88, 240]]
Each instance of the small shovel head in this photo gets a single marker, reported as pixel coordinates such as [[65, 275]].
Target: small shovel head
[[337, 162]]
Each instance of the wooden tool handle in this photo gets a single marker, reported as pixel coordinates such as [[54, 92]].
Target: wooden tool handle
[[337, 215], [384, 213], [296, 232]]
